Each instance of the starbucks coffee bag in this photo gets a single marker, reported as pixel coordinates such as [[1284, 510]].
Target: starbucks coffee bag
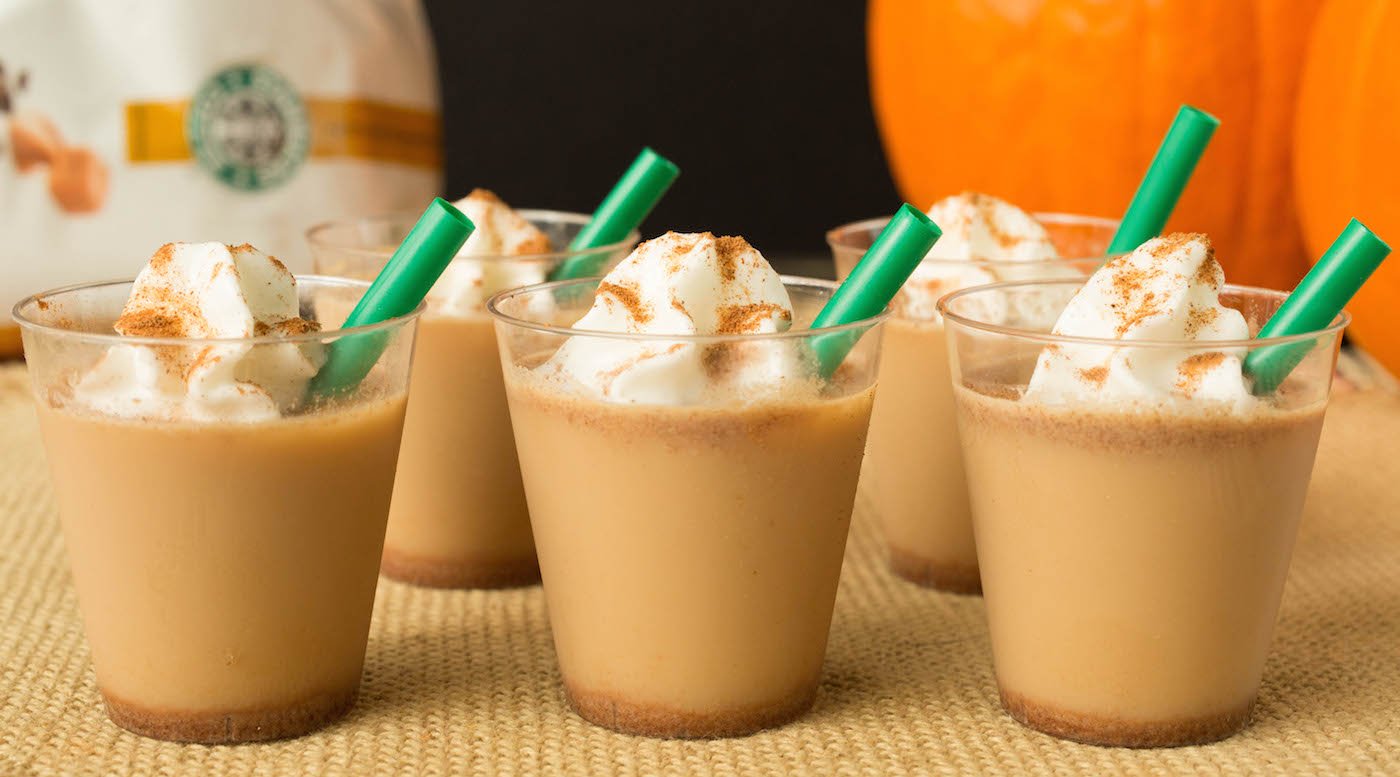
[[126, 124]]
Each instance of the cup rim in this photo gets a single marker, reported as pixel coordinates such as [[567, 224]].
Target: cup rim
[[834, 235], [26, 322], [791, 281], [315, 237], [1338, 324]]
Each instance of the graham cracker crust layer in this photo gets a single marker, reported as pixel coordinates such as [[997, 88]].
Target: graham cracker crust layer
[[1108, 732], [435, 573], [649, 720], [953, 578], [230, 726]]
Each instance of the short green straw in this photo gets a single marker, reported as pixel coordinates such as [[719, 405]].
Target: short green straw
[[1166, 178], [1315, 303], [403, 283], [875, 280], [624, 209]]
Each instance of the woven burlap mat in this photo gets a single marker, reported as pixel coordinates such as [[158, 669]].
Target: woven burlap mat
[[465, 683]]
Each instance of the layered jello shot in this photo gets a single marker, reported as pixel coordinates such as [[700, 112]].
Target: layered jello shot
[[1136, 489], [224, 521], [691, 467], [459, 518], [914, 471]]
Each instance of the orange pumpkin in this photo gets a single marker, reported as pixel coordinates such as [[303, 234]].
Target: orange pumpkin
[[1347, 150], [1059, 105]]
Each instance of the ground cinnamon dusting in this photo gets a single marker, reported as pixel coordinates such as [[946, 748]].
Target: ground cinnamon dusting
[[1198, 318], [152, 322], [1128, 282], [1209, 273], [162, 256], [986, 207], [1193, 369], [735, 319], [630, 299], [290, 327], [1095, 375], [535, 244], [730, 250]]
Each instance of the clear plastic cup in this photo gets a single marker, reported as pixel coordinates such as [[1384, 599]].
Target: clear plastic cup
[[1133, 553], [459, 518], [690, 545], [226, 569], [914, 473]]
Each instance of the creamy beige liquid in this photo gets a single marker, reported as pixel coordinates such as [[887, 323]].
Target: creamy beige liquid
[[1133, 564], [690, 555], [226, 572], [459, 517], [914, 469]]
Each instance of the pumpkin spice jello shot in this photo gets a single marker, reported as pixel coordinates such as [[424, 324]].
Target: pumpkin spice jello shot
[[223, 523], [914, 472], [458, 518], [690, 446], [1137, 462]]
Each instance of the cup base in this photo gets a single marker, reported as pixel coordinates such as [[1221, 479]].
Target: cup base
[[226, 727], [650, 720], [950, 577], [434, 573], [1110, 732]]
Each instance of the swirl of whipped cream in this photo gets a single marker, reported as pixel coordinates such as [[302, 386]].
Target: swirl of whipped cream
[[682, 284], [1167, 289], [479, 270], [206, 290], [977, 228]]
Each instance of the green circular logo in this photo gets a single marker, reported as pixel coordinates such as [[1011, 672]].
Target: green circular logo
[[248, 127]]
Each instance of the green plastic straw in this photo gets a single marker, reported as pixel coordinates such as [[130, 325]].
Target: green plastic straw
[[624, 209], [1315, 303], [875, 280], [1161, 187], [403, 283]]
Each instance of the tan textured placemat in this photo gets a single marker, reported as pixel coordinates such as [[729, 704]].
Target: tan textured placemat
[[465, 683]]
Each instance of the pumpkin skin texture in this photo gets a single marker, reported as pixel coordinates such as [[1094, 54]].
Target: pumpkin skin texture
[[1347, 151], [1059, 105]]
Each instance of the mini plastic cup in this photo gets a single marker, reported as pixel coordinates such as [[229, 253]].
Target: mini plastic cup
[[459, 518], [690, 550], [226, 570], [1133, 556], [914, 474]]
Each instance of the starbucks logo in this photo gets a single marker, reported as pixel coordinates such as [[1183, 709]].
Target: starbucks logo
[[248, 127]]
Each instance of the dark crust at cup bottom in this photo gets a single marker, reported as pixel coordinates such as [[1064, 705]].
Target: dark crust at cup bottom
[[650, 720], [1110, 732], [435, 573], [222, 727], [953, 578]]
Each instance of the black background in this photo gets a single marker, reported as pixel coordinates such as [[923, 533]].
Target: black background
[[764, 105]]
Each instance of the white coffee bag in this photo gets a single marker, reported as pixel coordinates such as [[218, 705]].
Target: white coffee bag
[[126, 124]]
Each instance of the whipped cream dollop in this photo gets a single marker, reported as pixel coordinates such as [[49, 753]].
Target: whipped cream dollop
[[682, 284], [206, 290], [1167, 289], [977, 228], [479, 270]]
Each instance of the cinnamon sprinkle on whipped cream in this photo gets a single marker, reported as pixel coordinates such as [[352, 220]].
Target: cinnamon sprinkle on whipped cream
[[1166, 290], [494, 258], [681, 284], [984, 240], [206, 291]]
